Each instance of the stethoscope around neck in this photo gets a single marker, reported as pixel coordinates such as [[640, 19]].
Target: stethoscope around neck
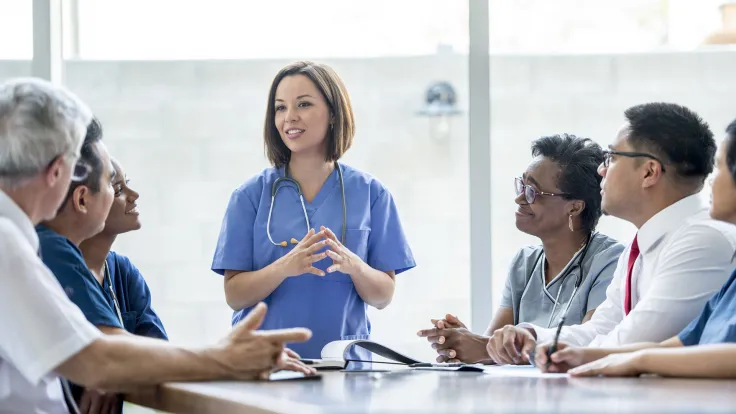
[[275, 187], [578, 280], [115, 302]]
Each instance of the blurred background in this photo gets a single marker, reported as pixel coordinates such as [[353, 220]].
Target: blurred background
[[180, 87]]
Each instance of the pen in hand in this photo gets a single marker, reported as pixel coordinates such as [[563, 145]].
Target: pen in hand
[[551, 350]]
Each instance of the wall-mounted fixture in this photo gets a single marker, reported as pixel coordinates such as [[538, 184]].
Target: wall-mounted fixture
[[440, 105]]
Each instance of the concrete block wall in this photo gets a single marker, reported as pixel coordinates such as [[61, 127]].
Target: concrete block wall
[[189, 132]]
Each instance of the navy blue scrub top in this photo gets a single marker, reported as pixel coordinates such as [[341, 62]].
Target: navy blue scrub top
[[96, 301], [134, 298], [717, 322]]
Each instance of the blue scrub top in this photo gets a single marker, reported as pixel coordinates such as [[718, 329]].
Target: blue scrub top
[[96, 302], [532, 299], [328, 305], [67, 263], [717, 322], [134, 298]]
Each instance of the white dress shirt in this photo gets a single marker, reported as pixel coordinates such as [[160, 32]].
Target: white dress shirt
[[685, 257], [40, 327]]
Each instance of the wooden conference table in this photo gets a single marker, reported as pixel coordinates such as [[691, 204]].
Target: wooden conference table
[[445, 392]]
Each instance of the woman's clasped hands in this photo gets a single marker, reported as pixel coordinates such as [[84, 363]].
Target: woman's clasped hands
[[316, 246]]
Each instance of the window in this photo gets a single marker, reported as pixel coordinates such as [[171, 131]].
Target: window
[[599, 26], [233, 29], [16, 28], [190, 132]]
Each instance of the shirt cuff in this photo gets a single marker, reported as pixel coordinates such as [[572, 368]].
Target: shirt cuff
[[543, 334]]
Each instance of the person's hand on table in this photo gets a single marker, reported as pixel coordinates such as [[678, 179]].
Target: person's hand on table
[[615, 365], [291, 361], [564, 358], [454, 342], [99, 402], [511, 345]]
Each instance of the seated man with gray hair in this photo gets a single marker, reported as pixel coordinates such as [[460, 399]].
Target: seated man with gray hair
[[43, 335], [81, 216]]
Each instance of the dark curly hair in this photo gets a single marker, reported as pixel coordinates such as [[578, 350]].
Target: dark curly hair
[[578, 159]]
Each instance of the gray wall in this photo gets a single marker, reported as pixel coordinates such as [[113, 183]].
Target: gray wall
[[189, 132]]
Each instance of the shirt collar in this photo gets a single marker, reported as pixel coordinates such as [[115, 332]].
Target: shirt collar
[[10, 209], [667, 220]]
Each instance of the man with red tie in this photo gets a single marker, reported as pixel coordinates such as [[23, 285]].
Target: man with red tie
[[653, 175], [706, 347]]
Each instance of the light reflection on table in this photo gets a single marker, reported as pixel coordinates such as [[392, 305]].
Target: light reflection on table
[[447, 392]]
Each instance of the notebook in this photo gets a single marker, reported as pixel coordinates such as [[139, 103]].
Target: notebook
[[335, 356]]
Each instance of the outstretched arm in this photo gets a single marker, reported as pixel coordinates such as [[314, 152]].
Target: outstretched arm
[[702, 361]]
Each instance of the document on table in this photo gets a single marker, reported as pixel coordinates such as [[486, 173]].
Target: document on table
[[291, 375], [526, 371]]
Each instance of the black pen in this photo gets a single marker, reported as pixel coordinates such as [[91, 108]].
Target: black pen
[[551, 350]]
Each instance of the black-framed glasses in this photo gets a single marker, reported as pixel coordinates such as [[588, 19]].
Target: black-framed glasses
[[608, 153], [530, 194], [80, 174], [80, 171]]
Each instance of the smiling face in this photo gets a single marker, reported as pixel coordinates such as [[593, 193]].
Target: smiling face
[[123, 215], [547, 214], [302, 116]]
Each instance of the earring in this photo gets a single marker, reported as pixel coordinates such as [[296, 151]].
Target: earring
[[569, 223]]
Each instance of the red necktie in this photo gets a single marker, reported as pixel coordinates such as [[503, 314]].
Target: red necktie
[[633, 254]]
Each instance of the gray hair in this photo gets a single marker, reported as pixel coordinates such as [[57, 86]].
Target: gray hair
[[39, 121]]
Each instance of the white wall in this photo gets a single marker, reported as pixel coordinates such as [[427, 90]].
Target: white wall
[[189, 132]]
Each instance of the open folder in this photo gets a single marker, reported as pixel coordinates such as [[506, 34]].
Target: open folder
[[336, 355]]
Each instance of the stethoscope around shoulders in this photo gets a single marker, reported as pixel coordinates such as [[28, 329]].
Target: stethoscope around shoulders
[[578, 280], [276, 186]]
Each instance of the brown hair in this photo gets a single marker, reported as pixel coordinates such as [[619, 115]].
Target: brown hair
[[339, 134]]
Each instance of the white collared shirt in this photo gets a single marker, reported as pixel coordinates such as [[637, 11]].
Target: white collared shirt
[[40, 327], [685, 257]]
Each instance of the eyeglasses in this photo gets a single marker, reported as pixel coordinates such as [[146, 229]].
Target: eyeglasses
[[530, 193], [608, 153], [81, 171]]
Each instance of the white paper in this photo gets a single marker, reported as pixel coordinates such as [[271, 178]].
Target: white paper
[[335, 350], [286, 375]]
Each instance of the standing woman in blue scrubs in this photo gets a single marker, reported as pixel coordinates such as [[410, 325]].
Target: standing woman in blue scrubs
[[321, 245]]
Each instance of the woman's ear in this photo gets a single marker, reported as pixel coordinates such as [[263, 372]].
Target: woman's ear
[[577, 207]]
